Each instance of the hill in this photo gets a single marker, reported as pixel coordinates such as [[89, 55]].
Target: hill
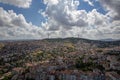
[[59, 58]]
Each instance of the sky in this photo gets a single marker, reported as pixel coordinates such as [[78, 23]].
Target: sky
[[35, 19]]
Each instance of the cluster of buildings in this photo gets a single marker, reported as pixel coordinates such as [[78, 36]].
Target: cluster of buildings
[[18, 61]]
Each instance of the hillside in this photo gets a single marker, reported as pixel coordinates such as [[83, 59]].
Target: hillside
[[31, 45], [55, 59]]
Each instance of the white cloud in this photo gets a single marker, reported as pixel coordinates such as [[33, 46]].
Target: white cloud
[[18, 3], [13, 26], [53, 2], [63, 19], [94, 18], [64, 14], [66, 20], [89, 2], [113, 8]]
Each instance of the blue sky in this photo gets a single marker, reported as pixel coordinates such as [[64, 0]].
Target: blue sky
[[34, 19], [87, 7], [31, 14]]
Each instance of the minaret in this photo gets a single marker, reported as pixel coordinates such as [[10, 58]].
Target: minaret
[[78, 36], [48, 34]]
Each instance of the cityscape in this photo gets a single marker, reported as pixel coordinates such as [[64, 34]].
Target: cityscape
[[59, 39], [60, 59]]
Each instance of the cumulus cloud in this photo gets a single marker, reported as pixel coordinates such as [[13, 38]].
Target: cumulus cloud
[[63, 17], [13, 26], [18, 3], [64, 14], [113, 6], [94, 18]]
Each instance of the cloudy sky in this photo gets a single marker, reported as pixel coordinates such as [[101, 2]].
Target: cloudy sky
[[35, 19]]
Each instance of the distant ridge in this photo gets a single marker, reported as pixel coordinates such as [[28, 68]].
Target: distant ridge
[[63, 39], [110, 39], [12, 45], [73, 38]]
